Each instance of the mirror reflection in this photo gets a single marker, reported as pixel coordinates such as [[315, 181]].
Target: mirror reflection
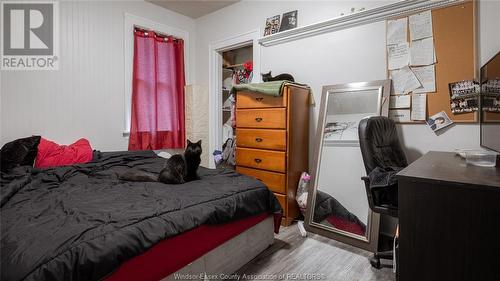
[[340, 201], [490, 105]]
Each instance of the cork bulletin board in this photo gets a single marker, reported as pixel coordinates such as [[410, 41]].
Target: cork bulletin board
[[454, 32]]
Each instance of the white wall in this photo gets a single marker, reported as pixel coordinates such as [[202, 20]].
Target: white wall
[[489, 21], [85, 97], [356, 54]]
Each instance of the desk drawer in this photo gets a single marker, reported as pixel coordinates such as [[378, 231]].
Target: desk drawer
[[274, 181], [262, 138], [256, 100], [261, 118], [261, 159]]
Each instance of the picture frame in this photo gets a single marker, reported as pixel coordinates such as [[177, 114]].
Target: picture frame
[[464, 96], [439, 121], [272, 25], [289, 20]]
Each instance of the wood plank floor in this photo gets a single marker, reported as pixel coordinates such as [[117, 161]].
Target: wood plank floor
[[332, 260]]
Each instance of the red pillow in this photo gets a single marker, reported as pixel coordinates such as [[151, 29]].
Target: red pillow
[[51, 154]]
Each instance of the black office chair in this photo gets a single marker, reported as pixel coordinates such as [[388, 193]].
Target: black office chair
[[380, 147]]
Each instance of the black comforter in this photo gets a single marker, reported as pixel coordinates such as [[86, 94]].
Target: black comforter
[[81, 222]]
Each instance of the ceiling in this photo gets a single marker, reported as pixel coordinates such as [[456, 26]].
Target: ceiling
[[193, 8]]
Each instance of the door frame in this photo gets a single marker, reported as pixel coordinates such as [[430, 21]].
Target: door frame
[[215, 81]]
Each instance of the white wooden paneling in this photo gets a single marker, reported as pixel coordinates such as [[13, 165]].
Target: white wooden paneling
[[86, 96]]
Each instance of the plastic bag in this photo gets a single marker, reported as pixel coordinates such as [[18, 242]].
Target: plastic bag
[[302, 190]]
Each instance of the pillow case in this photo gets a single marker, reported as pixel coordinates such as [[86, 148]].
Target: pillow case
[[19, 152], [51, 154]]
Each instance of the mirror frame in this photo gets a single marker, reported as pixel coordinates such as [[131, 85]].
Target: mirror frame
[[482, 114], [370, 241]]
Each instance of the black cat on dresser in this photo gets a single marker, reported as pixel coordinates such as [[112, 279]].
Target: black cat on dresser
[[267, 77]]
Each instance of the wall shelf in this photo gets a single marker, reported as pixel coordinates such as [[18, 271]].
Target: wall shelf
[[233, 66], [385, 12]]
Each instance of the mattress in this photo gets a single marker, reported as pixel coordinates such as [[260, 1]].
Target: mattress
[[82, 222], [159, 262]]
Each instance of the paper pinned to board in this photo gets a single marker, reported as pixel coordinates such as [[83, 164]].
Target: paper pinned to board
[[439, 121], [400, 115], [404, 80], [422, 52], [427, 77], [418, 107], [397, 31], [399, 101], [421, 25], [398, 55]]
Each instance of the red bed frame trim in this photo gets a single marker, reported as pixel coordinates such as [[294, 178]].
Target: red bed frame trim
[[170, 255]]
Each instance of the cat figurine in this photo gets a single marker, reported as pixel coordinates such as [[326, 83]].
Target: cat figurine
[[179, 168], [267, 77]]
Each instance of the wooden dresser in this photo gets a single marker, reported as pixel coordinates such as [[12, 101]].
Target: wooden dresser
[[272, 141]]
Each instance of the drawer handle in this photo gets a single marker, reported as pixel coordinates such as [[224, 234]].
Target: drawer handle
[[258, 139], [259, 99], [257, 160], [258, 119]]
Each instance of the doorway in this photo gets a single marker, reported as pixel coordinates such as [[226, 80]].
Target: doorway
[[227, 57]]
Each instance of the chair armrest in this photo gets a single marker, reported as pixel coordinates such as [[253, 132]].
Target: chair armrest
[[368, 192]]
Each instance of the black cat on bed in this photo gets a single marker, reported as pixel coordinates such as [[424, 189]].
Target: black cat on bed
[[179, 168]]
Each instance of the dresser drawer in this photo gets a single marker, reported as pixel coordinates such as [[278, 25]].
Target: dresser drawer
[[274, 181], [256, 100], [282, 199], [261, 118], [261, 159], [261, 138]]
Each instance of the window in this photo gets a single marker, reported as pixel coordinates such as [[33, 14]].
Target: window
[[157, 102]]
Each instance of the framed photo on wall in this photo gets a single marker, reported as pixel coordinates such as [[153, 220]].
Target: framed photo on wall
[[289, 21], [464, 96], [272, 25]]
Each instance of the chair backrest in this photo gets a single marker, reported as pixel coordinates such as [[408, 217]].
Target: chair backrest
[[379, 143]]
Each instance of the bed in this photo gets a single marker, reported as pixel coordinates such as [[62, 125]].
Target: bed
[[329, 211], [82, 222]]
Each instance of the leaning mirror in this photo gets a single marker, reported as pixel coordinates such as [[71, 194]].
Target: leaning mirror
[[337, 203], [490, 104]]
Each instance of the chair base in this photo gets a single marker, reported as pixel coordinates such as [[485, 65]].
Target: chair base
[[375, 260]]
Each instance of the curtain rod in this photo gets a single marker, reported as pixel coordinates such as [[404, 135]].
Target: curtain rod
[[157, 32]]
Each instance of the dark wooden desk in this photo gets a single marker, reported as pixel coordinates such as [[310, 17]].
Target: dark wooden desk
[[449, 220]]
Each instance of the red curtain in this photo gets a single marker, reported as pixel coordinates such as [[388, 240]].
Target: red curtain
[[157, 92]]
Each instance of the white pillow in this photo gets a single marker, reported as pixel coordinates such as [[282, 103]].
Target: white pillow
[[163, 154]]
